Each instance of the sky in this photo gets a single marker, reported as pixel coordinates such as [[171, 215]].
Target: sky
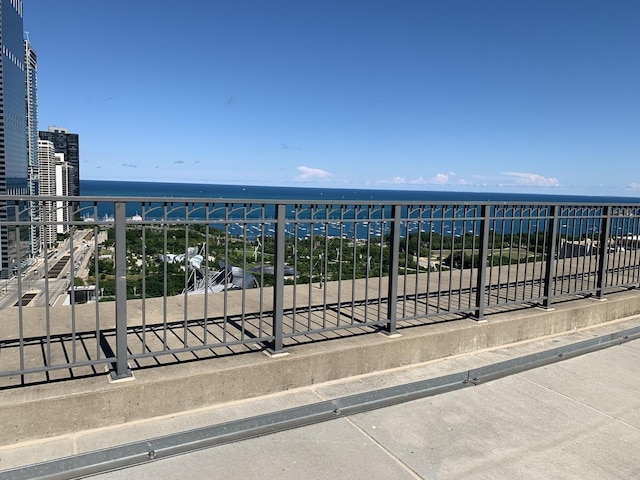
[[537, 96]]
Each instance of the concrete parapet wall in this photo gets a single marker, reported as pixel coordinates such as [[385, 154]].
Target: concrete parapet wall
[[52, 409]]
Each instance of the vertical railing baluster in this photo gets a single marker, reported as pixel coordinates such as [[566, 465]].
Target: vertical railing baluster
[[603, 245], [551, 256], [143, 286], [483, 249], [278, 277], [187, 270], [394, 260], [17, 266], [120, 225]]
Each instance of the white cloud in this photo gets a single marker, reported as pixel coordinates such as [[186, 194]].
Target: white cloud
[[632, 186], [310, 174], [439, 179], [532, 179]]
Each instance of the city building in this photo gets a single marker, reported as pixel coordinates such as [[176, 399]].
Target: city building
[[63, 173], [31, 75], [49, 187], [14, 242], [66, 143]]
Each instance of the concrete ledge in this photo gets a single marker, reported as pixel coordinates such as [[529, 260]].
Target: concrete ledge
[[43, 411]]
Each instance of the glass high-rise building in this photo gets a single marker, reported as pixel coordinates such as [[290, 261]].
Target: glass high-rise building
[[14, 247], [13, 119]]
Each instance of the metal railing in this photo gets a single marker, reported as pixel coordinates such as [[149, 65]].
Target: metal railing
[[130, 282]]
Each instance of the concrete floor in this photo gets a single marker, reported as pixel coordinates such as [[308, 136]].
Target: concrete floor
[[579, 418]]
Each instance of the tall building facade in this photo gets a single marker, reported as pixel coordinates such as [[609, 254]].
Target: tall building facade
[[13, 121], [47, 164], [14, 243], [63, 171], [31, 74], [68, 144]]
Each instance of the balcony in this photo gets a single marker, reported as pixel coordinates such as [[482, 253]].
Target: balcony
[[139, 283]]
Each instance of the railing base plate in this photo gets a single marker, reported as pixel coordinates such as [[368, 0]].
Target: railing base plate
[[390, 335], [271, 354], [115, 379]]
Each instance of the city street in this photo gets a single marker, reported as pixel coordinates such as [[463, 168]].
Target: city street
[[37, 290]]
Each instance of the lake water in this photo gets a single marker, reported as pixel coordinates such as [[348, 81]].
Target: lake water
[[189, 190]]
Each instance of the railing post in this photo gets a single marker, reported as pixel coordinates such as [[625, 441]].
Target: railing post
[[603, 247], [483, 249], [121, 367], [394, 261], [552, 233], [276, 346]]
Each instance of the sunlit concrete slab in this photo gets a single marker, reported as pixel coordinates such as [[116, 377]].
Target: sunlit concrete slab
[[325, 451], [510, 428], [572, 419], [605, 383]]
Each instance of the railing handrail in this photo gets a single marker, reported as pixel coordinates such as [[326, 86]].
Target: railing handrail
[[628, 202]]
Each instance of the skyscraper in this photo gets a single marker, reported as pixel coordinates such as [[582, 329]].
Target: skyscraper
[[13, 133], [31, 74], [54, 182], [13, 121], [67, 143]]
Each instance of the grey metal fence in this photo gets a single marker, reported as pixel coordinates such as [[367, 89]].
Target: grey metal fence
[[132, 283]]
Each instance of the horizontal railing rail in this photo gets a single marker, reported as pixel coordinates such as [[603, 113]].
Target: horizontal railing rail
[[135, 283]]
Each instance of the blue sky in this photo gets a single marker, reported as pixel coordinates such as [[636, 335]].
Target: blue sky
[[539, 96]]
